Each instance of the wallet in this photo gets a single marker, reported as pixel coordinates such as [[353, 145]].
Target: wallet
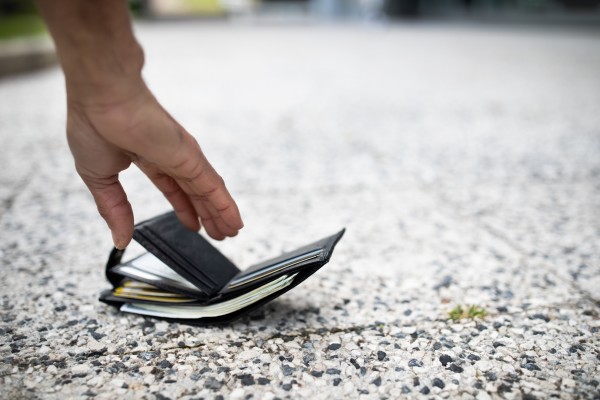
[[183, 278]]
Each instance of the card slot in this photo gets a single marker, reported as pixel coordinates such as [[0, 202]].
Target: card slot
[[255, 276], [186, 252], [155, 292], [167, 284], [157, 299], [187, 264], [163, 251], [110, 298]]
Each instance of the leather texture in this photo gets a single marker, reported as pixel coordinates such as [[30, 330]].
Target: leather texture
[[186, 252]]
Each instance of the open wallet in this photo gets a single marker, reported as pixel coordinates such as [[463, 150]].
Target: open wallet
[[183, 278]]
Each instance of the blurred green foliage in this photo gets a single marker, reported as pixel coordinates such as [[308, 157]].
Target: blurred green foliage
[[471, 312], [21, 25], [19, 18]]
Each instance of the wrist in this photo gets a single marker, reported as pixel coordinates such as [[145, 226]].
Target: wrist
[[95, 44], [104, 74], [101, 62]]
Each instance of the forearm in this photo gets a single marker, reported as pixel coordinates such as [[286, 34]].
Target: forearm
[[98, 52]]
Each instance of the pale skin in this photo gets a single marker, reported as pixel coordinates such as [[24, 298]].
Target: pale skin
[[114, 120]]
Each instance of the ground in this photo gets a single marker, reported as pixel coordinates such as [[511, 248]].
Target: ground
[[464, 161]]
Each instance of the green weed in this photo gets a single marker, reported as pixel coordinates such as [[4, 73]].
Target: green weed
[[471, 312]]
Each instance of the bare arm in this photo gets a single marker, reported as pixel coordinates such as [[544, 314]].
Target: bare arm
[[113, 120]]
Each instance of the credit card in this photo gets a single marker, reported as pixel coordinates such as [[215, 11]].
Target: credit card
[[144, 291], [156, 298]]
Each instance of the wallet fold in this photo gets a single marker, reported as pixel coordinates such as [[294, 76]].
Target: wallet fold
[[186, 252], [192, 276]]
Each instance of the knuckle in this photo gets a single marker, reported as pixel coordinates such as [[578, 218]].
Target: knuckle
[[107, 211]]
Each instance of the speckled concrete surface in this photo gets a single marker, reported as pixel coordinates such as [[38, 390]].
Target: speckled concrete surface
[[464, 161]]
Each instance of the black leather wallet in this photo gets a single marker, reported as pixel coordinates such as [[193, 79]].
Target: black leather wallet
[[184, 278]]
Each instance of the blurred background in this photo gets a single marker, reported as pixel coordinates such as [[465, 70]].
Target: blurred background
[[23, 46], [390, 117], [18, 18], [375, 8]]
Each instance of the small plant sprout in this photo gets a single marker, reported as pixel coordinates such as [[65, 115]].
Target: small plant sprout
[[471, 312]]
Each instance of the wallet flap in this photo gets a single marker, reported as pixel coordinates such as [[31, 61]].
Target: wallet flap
[[317, 253], [186, 252]]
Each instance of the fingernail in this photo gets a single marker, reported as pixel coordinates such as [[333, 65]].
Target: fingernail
[[118, 243]]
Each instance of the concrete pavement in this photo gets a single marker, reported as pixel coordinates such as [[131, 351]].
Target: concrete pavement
[[464, 161]]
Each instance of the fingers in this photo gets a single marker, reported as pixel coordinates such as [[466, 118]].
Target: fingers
[[214, 223], [206, 190], [211, 226], [173, 160], [188, 205], [113, 206], [172, 191]]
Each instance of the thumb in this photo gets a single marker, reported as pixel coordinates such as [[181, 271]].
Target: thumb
[[113, 206]]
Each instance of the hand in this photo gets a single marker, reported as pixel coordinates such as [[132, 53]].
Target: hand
[[114, 120], [106, 137]]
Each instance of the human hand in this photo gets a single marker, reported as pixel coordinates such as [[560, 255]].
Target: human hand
[[114, 120], [106, 138]]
